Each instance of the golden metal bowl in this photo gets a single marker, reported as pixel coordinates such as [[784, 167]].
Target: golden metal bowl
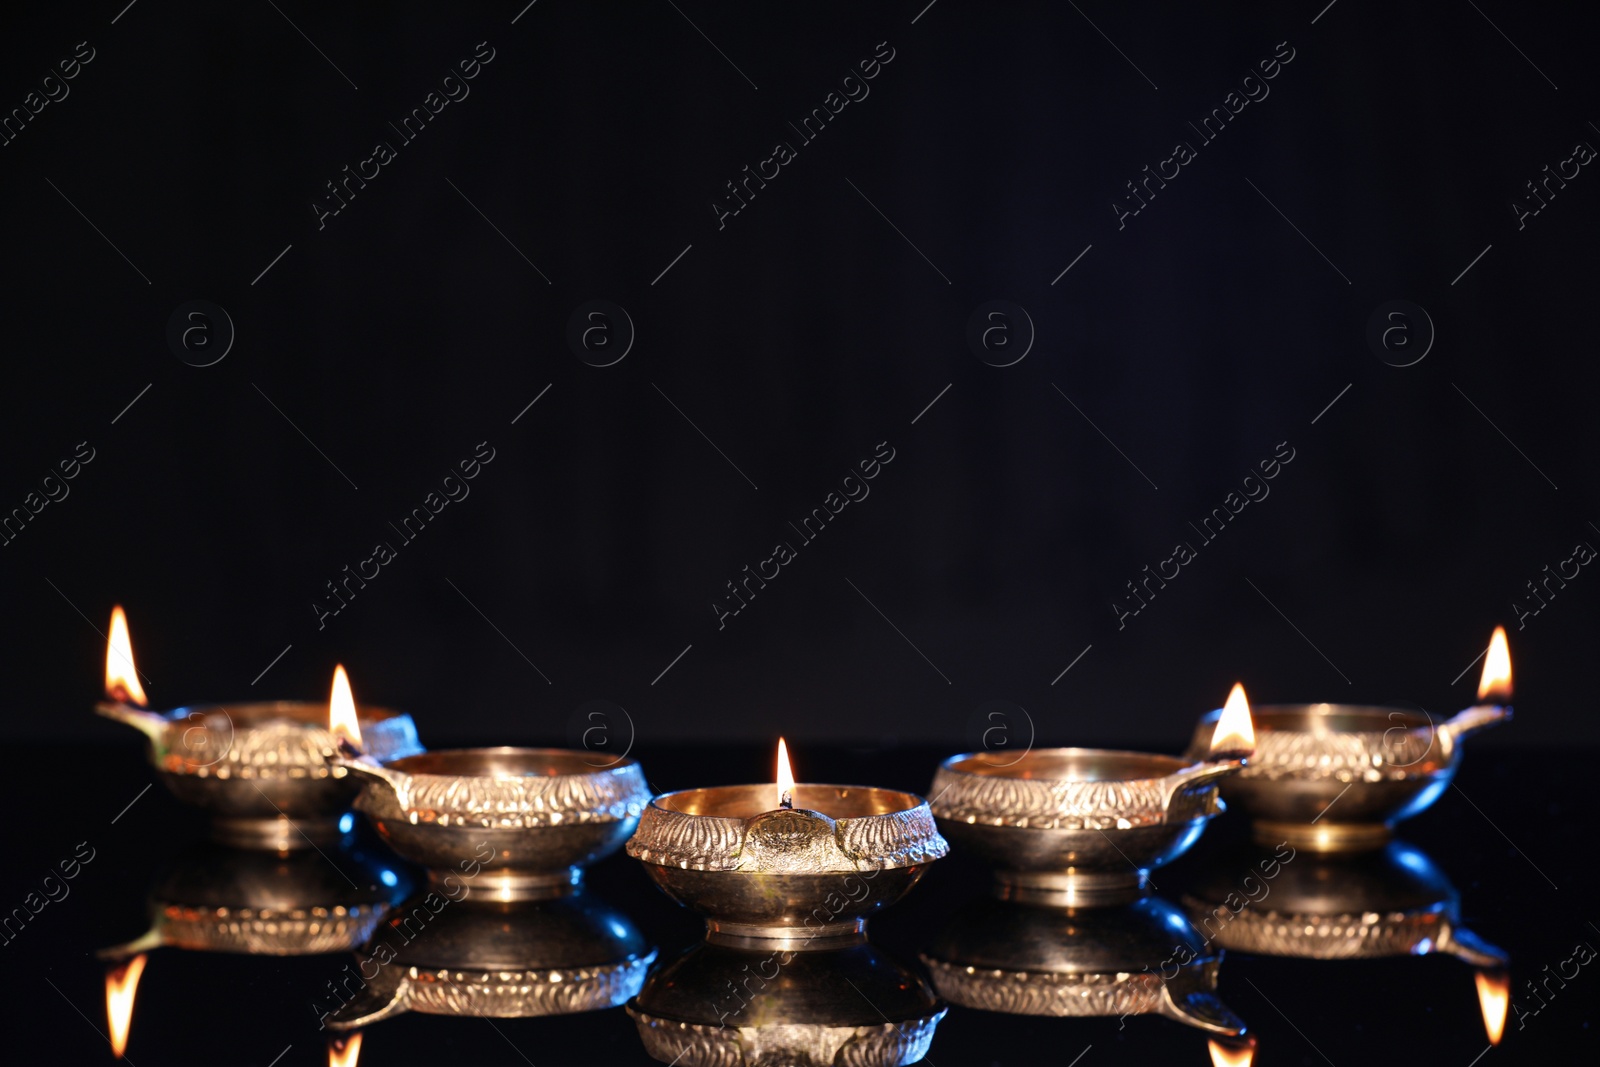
[[797, 876], [1337, 777], [717, 1006], [1076, 826], [266, 773], [1139, 958], [491, 958], [509, 823], [1392, 901]]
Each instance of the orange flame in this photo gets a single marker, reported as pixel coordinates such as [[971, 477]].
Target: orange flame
[[342, 709], [122, 677], [122, 984], [1494, 997], [345, 1053], [1236, 731], [1495, 684], [785, 775], [1231, 1055]]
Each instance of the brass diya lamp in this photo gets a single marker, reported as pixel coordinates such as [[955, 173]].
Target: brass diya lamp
[[1081, 827], [1337, 777], [720, 1006], [1138, 958], [220, 899], [799, 864], [506, 823], [1392, 901], [265, 771], [492, 958]]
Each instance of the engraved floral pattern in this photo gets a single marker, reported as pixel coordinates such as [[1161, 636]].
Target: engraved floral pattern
[[797, 1044], [517, 994], [510, 801], [712, 843]]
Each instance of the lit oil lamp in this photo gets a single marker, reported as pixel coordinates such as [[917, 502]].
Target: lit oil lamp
[[122, 986], [1337, 777], [264, 772], [507, 824], [790, 862], [1082, 827]]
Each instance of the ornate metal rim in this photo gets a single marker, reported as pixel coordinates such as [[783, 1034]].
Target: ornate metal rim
[[1091, 993], [671, 838], [1407, 750], [522, 994], [508, 802], [1072, 804], [668, 1040], [273, 750], [1345, 935], [269, 931]]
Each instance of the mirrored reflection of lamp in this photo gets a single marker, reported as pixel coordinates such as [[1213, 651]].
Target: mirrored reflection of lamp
[[263, 771], [1337, 777], [1394, 901], [720, 1006], [439, 956], [219, 899], [1137, 958], [1083, 827], [795, 863]]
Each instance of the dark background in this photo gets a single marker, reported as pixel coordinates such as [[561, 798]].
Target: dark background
[[797, 338]]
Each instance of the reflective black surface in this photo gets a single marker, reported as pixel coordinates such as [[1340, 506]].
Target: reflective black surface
[[1506, 856]]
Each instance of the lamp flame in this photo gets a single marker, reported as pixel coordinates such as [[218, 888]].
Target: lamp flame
[[345, 1053], [1495, 684], [122, 984], [1236, 731], [342, 709], [785, 777], [1494, 997], [122, 677], [1230, 1055]]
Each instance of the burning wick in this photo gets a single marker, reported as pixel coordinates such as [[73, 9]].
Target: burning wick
[[342, 721], [1235, 735], [785, 778], [122, 677], [1495, 683]]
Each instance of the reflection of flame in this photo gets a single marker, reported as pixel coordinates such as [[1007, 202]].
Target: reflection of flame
[[1231, 1055], [1236, 731], [122, 677], [342, 709], [1494, 997], [345, 1053], [1496, 681], [785, 776], [122, 983]]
